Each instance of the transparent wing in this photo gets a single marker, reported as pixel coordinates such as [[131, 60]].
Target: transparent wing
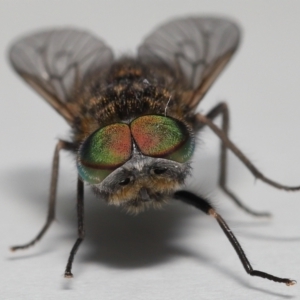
[[54, 62], [197, 48]]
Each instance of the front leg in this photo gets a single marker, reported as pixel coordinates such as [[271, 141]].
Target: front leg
[[81, 231], [205, 206], [52, 197]]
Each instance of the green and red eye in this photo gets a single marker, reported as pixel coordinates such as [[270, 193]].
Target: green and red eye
[[160, 136], [110, 147], [104, 151]]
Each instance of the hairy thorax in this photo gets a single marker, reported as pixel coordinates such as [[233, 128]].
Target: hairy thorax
[[124, 91]]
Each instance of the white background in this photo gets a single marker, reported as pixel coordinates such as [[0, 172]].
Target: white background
[[176, 253]]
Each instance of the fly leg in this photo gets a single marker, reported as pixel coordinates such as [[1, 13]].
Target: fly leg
[[52, 197], [81, 231], [205, 206], [222, 109]]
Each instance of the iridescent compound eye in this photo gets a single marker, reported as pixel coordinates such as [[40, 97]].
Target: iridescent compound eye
[[104, 151], [160, 136]]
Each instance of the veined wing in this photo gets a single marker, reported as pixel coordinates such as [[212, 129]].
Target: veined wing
[[196, 48], [54, 62]]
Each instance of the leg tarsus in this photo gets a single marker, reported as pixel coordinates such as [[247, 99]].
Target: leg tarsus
[[241, 205]]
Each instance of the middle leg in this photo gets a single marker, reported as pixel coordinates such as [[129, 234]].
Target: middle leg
[[205, 121], [221, 109]]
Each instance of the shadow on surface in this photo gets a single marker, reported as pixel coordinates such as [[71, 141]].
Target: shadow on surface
[[115, 238]]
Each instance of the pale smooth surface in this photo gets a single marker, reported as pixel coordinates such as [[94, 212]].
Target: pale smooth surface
[[176, 253]]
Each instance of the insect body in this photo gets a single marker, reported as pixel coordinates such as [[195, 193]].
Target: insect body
[[133, 120], [135, 155]]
